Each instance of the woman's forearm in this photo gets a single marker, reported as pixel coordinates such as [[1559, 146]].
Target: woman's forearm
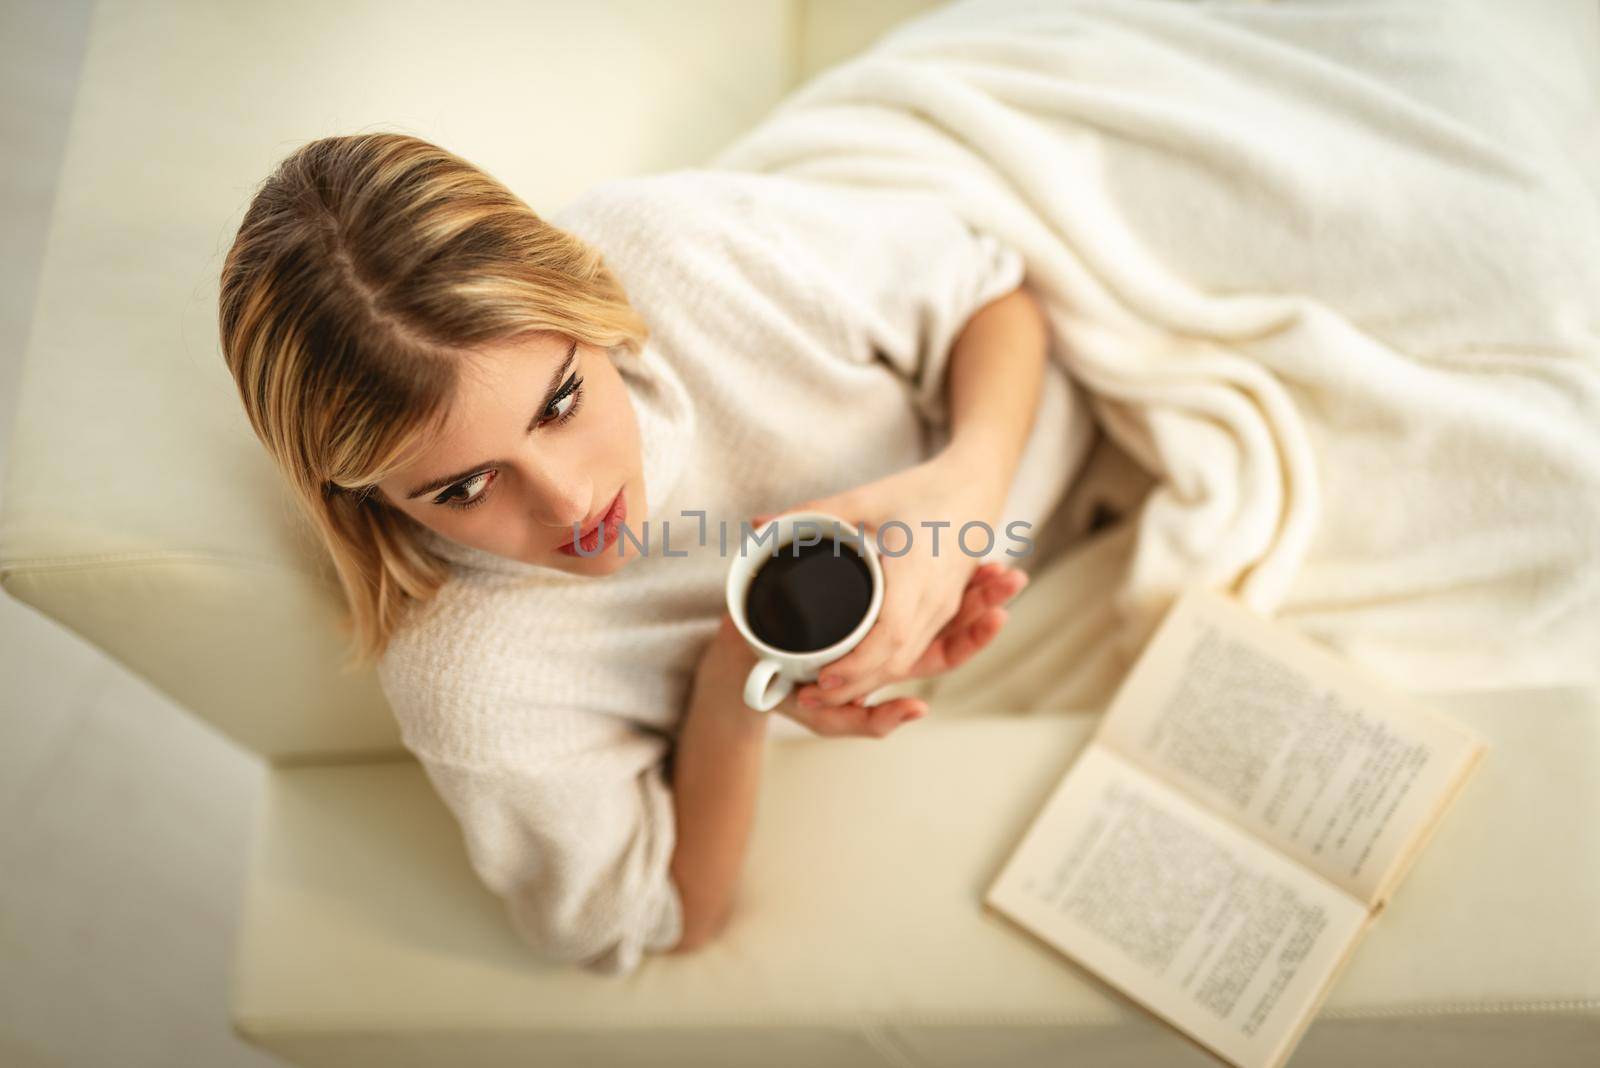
[[993, 384], [716, 779]]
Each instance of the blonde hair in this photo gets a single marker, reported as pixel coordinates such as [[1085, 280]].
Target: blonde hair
[[366, 273]]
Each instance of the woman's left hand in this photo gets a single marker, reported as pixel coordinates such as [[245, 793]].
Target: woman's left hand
[[929, 583]]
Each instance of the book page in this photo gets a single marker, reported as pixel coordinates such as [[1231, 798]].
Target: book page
[[1276, 733], [1185, 914]]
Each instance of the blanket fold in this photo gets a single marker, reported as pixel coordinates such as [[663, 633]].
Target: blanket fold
[[1329, 273]]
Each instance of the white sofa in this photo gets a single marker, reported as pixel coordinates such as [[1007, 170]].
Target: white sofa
[[139, 512]]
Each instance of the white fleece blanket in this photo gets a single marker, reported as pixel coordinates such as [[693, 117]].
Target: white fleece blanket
[[1329, 272]]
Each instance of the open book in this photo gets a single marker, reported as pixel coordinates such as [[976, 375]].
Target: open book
[[1241, 815]]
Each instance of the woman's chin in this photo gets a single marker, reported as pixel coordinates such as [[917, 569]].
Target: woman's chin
[[602, 561]]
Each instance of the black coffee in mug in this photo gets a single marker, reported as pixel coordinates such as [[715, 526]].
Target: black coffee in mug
[[808, 598]]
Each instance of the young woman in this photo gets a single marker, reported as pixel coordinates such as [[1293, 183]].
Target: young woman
[[456, 388]]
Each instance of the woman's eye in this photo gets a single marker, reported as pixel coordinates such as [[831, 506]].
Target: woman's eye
[[470, 500], [569, 392], [556, 410]]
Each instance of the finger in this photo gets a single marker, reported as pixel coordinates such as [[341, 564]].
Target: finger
[[975, 600], [991, 586], [994, 590], [868, 666], [860, 669], [856, 719], [884, 718], [877, 720], [1006, 582], [841, 720], [830, 722], [912, 652], [970, 641], [957, 645], [998, 570]]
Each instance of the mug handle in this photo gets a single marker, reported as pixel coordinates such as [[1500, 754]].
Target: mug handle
[[756, 694]]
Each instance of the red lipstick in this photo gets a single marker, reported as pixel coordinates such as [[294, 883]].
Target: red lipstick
[[614, 514]]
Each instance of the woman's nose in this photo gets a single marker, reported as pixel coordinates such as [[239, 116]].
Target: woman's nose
[[559, 500], [561, 512]]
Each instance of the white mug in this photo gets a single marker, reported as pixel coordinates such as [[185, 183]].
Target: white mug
[[785, 667]]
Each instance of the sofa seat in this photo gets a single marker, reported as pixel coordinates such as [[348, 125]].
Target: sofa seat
[[858, 938]]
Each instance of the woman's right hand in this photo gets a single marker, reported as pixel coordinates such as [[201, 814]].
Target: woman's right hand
[[728, 659], [726, 664]]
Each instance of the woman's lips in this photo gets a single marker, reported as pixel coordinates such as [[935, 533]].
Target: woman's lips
[[613, 518]]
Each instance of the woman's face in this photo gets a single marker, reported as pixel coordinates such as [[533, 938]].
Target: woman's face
[[509, 475]]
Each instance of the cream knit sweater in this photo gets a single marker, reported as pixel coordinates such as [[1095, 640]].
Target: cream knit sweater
[[800, 335]]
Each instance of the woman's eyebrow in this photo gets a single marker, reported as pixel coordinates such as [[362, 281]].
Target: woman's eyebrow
[[550, 395]]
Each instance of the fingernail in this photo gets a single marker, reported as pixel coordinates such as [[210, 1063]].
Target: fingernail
[[828, 682]]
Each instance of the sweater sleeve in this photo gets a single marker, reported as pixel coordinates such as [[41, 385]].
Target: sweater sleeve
[[900, 273], [579, 851]]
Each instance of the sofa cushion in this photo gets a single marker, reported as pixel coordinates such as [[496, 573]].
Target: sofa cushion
[[138, 509], [858, 937]]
